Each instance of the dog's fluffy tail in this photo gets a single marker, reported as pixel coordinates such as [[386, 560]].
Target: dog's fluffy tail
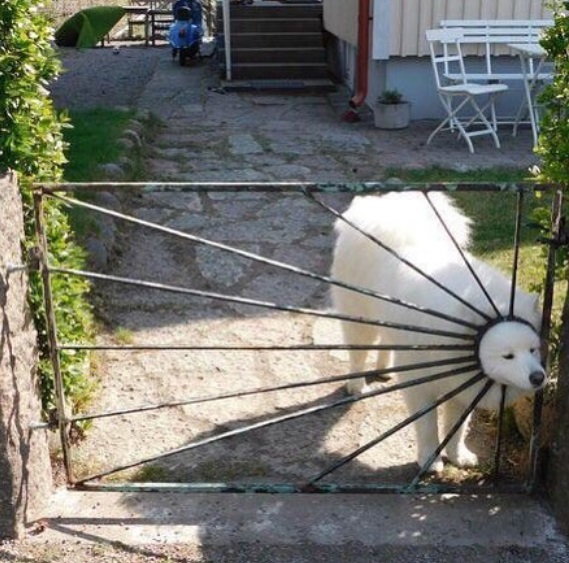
[[402, 220]]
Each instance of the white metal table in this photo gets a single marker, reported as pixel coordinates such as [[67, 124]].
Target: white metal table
[[532, 57]]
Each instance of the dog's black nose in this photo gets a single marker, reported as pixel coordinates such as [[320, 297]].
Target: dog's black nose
[[537, 378]]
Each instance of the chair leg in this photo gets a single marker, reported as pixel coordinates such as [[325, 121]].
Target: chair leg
[[453, 121], [489, 127]]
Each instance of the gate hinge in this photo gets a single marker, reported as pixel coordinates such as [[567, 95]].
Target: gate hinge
[[33, 260]]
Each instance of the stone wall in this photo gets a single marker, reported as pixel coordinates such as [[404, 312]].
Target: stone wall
[[25, 473]]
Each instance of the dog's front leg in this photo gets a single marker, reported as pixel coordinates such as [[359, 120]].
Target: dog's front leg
[[456, 449]]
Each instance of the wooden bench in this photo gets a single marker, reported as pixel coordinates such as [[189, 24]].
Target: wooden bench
[[491, 37]]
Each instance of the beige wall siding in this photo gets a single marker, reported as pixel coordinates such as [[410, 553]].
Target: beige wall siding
[[341, 19], [410, 18], [404, 33]]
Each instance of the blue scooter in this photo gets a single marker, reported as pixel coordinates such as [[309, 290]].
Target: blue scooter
[[186, 32]]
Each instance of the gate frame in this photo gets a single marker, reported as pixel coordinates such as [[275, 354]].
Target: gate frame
[[42, 190]]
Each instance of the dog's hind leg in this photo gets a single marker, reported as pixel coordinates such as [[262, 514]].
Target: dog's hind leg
[[356, 334], [426, 429], [456, 449]]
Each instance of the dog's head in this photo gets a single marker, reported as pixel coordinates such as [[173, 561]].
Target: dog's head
[[509, 353]]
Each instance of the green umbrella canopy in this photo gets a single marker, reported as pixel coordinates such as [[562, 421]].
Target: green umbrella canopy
[[87, 27]]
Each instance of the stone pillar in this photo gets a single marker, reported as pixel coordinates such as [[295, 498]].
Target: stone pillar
[[25, 472], [558, 470]]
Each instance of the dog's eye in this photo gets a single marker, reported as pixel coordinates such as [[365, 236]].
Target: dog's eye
[[532, 350], [508, 356]]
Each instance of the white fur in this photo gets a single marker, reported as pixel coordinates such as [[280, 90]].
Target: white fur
[[406, 223]]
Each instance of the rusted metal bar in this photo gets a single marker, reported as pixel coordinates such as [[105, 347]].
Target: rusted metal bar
[[275, 420], [269, 348], [471, 362], [262, 304], [500, 431], [354, 188], [295, 488], [516, 257], [402, 259], [51, 329], [545, 332], [480, 395], [463, 256], [409, 420], [267, 261]]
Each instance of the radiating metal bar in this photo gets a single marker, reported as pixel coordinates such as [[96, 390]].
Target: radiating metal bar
[[410, 419], [452, 432], [263, 304], [500, 431], [277, 420], [267, 261], [398, 256], [545, 333], [355, 188], [381, 373], [463, 256], [51, 329], [269, 348], [516, 258]]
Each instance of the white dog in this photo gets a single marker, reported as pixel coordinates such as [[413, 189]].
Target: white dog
[[506, 349]]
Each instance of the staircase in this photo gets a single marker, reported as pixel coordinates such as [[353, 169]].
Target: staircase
[[275, 42]]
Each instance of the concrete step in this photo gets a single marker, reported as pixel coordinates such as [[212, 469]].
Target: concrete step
[[299, 85], [334, 528], [274, 40], [273, 11], [275, 25], [277, 55], [279, 70]]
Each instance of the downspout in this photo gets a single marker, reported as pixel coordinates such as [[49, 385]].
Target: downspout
[[360, 93]]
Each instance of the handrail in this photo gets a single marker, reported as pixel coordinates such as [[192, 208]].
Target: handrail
[[227, 38]]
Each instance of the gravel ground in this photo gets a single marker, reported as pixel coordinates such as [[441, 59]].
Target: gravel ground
[[102, 78]]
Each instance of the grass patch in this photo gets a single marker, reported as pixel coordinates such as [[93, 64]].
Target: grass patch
[[93, 140], [438, 174]]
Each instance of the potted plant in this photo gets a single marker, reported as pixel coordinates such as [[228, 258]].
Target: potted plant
[[391, 111]]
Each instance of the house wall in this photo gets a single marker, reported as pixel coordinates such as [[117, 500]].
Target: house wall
[[411, 18], [413, 77], [341, 19], [400, 52]]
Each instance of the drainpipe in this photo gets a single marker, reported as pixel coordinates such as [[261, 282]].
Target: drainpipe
[[360, 93]]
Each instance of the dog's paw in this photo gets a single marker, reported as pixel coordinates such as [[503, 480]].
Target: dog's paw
[[463, 457], [357, 387], [436, 467]]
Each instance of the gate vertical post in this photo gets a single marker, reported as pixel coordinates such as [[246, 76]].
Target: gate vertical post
[[558, 469], [25, 471], [545, 332], [51, 329]]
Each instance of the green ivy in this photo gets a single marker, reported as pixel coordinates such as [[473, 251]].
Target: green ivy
[[553, 146], [31, 143]]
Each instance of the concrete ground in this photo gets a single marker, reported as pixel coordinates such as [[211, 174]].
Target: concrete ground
[[209, 134]]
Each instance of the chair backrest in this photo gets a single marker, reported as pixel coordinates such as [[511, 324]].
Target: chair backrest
[[446, 54]]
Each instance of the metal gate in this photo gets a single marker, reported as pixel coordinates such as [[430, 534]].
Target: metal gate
[[282, 212]]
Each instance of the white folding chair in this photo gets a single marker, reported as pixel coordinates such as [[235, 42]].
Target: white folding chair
[[456, 96]]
